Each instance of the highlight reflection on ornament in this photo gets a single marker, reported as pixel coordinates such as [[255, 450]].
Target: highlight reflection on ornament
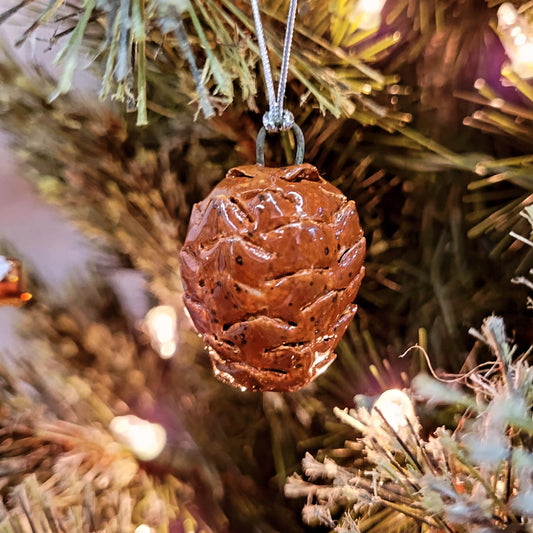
[[366, 14], [145, 439], [12, 290], [517, 39], [397, 409], [161, 323]]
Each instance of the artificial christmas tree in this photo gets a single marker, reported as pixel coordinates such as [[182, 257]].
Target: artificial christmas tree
[[413, 109]]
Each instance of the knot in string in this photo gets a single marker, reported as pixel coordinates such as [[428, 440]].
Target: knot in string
[[276, 119]]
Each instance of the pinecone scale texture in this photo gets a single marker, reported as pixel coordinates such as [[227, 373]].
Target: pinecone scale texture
[[271, 265]]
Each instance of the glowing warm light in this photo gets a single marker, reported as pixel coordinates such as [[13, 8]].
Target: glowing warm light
[[167, 349], [366, 14], [520, 39], [161, 322], [525, 53], [145, 439], [143, 528], [507, 14], [397, 409], [517, 39]]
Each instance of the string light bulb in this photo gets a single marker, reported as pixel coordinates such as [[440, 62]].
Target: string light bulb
[[517, 39], [397, 409], [366, 14], [145, 439], [143, 528], [161, 323]]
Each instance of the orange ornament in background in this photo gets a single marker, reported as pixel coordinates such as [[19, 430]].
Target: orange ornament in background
[[271, 265], [12, 291]]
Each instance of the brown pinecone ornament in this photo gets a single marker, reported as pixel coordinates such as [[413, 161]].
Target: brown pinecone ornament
[[271, 265]]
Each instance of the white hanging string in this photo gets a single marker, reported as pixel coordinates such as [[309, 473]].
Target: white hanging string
[[276, 118]]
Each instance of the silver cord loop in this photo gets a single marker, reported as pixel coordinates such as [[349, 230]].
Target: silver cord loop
[[300, 145], [276, 118]]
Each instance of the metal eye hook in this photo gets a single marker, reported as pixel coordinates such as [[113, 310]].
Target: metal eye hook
[[300, 145]]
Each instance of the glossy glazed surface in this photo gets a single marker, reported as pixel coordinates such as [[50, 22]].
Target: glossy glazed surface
[[271, 265]]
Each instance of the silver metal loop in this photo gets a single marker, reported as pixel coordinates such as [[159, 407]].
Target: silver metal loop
[[300, 145]]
